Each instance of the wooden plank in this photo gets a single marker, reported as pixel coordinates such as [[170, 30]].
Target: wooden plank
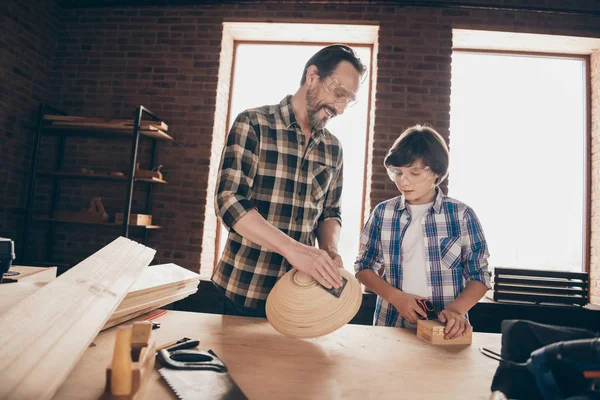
[[13, 293], [155, 282], [159, 276], [99, 176], [158, 301], [66, 221], [104, 130], [74, 120], [134, 298], [149, 307], [43, 336]]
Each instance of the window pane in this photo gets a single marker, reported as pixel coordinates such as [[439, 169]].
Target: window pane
[[258, 80], [517, 145]]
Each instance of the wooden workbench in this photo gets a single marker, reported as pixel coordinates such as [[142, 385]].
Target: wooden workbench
[[362, 362]]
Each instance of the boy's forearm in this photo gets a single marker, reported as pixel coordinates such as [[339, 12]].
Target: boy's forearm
[[376, 284], [471, 294], [253, 227], [328, 235]]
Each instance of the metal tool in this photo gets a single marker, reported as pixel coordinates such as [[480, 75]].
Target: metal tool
[[175, 342], [333, 291], [563, 369], [194, 374], [427, 306]]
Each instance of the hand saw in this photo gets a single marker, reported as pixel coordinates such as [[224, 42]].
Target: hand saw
[[194, 375]]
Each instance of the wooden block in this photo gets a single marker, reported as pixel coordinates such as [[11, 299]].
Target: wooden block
[[134, 219], [432, 331], [143, 351]]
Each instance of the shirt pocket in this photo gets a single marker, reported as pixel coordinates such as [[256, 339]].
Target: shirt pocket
[[320, 180], [450, 251]]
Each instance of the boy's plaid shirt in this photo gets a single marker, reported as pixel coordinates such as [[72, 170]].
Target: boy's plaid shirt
[[264, 167], [455, 250]]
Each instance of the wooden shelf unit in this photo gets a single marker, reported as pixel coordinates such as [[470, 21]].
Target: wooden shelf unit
[[53, 122]]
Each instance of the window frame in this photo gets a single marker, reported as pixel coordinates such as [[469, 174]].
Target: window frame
[[585, 58], [368, 136]]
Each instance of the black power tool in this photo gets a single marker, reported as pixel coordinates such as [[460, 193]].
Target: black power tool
[[7, 255], [564, 369]]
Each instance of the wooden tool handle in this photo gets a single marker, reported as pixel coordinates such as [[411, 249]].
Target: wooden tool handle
[[121, 375]]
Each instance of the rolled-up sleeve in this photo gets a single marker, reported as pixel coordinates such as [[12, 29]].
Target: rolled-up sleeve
[[237, 170], [475, 252], [332, 208], [370, 254]]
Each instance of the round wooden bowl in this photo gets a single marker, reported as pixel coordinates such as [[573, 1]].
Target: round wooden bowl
[[299, 307]]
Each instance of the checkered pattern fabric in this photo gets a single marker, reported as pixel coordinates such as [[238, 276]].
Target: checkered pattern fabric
[[455, 251], [266, 165]]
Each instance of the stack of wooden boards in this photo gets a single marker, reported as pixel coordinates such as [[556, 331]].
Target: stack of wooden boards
[[44, 332], [157, 286], [118, 126]]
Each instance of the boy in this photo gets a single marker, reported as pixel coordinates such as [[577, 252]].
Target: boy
[[422, 244]]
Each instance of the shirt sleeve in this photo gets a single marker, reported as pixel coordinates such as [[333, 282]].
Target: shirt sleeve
[[332, 208], [370, 255], [239, 163], [474, 250]]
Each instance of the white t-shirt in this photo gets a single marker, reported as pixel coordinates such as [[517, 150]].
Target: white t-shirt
[[414, 279]]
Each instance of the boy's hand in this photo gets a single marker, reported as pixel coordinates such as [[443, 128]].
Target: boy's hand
[[407, 306], [456, 323]]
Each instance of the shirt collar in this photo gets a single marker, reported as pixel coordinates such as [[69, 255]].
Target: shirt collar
[[285, 107], [289, 119], [437, 202]]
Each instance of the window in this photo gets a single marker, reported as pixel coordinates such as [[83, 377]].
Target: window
[[518, 155], [260, 78]]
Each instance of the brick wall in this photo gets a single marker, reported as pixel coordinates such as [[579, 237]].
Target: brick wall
[[28, 37], [167, 58], [595, 206]]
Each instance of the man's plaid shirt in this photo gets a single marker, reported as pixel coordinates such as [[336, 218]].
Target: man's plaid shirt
[[264, 167]]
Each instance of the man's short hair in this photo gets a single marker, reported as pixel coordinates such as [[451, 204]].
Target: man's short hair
[[327, 59], [420, 142]]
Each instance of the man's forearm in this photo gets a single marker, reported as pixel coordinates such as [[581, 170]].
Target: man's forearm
[[310, 260], [471, 294], [328, 235], [253, 227]]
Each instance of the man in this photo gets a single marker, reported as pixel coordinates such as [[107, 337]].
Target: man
[[279, 186]]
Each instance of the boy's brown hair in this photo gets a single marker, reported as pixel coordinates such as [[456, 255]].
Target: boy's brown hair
[[420, 142]]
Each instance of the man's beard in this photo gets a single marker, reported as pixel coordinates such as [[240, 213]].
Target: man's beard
[[313, 111]]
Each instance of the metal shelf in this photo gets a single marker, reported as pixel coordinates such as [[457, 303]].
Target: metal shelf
[[54, 122]]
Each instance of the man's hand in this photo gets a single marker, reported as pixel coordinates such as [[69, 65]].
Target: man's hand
[[456, 323], [316, 263], [407, 306], [337, 259]]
